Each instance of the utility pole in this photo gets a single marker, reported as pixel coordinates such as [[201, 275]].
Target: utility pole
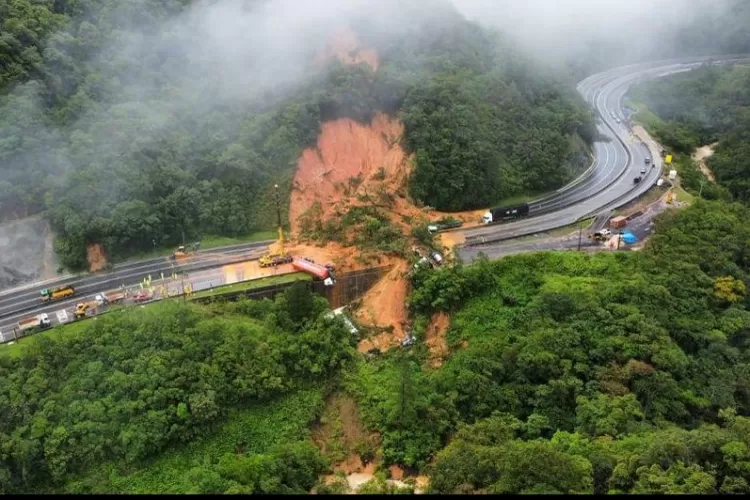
[[619, 239]]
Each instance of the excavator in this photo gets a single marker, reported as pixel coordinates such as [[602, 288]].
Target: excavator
[[185, 251], [281, 257], [83, 307]]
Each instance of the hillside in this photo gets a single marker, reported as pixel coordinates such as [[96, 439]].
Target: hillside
[[706, 107], [570, 372], [125, 132], [557, 372]]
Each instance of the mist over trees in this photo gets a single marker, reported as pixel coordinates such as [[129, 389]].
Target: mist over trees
[[126, 130], [579, 37], [129, 122], [706, 106]]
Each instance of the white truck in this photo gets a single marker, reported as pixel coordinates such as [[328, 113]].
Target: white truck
[[38, 321], [109, 298]]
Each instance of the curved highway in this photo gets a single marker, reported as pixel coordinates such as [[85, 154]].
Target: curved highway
[[607, 184], [619, 158]]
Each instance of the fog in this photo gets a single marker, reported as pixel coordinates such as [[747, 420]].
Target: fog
[[256, 46], [629, 30], [238, 54]]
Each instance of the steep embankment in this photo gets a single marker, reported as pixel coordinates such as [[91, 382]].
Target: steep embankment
[[360, 165]]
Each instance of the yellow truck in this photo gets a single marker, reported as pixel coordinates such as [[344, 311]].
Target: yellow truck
[[62, 292]]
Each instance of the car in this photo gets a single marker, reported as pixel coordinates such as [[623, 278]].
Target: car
[[437, 258], [142, 297], [62, 316], [617, 120], [636, 180], [648, 160], [643, 170]]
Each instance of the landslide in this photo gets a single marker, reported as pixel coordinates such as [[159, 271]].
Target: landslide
[[431, 119]]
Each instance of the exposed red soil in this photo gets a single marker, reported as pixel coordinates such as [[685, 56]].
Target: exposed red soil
[[435, 338], [346, 150], [95, 257], [343, 431], [384, 306], [345, 46], [352, 165], [397, 473]]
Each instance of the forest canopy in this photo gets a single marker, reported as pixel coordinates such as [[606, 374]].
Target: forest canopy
[[581, 373], [125, 131], [702, 107], [122, 389]]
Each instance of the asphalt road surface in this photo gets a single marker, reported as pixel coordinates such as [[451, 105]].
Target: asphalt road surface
[[619, 158], [25, 301], [639, 226], [170, 286]]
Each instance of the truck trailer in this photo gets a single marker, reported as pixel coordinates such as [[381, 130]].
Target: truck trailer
[[110, 298], [57, 293], [315, 270], [498, 214], [38, 321]]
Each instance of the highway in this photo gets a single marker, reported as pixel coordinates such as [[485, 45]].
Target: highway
[[607, 184], [619, 158], [203, 268], [639, 226]]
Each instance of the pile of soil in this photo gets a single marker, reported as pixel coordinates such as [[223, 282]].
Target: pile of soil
[[95, 257]]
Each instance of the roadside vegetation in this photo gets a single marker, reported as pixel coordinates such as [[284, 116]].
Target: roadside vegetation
[[124, 389], [254, 284], [699, 108]]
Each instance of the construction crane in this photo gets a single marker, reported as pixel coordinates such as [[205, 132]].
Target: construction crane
[[278, 216], [281, 257]]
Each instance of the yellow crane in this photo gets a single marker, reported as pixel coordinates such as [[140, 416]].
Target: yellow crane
[[281, 257], [278, 214]]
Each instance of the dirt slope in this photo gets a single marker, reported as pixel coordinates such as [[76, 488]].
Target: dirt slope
[[361, 165], [701, 155], [346, 150], [345, 46]]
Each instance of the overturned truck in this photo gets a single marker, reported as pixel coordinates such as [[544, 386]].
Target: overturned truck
[[324, 273]]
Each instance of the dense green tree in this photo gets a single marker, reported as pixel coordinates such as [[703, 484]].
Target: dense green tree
[[125, 387], [701, 107], [114, 124], [575, 372]]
